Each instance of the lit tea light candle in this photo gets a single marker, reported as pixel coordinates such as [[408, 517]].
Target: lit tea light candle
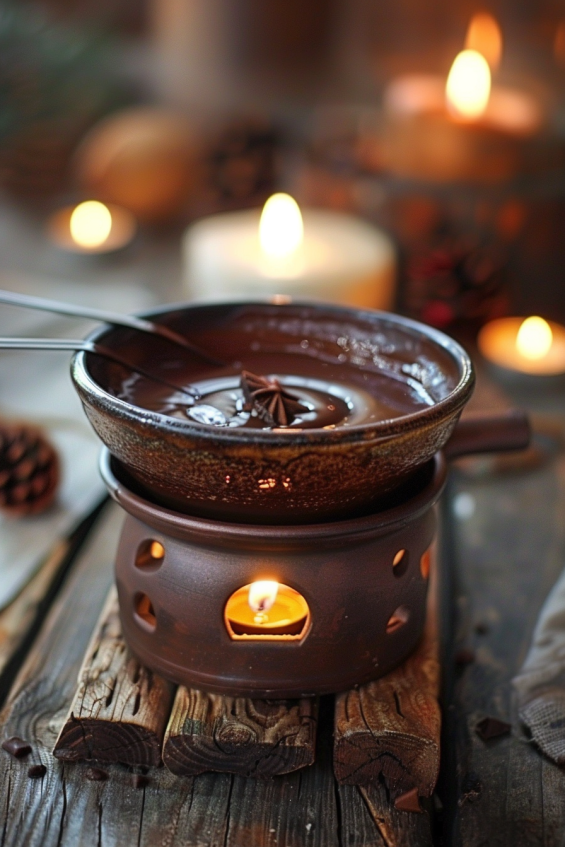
[[464, 128], [261, 598], [467, 90], [266, 608], [286, 252], [92, 228], [530, 346]]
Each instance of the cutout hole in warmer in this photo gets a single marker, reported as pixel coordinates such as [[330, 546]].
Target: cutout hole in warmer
[[425, 564], [150, 555], [400, 563], [398, 618], [144, 611], [267, 610]]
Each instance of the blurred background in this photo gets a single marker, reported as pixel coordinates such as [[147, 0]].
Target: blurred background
[[178, 109]]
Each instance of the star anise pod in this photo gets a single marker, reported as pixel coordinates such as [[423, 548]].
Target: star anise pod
[[272, 402]]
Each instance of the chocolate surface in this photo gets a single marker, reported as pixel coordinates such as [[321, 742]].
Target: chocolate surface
[[340, 379]]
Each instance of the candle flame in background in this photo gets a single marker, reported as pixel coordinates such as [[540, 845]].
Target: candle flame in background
[[281, 230], [534, 338], [468, 85], [261, 598], [91, 223], [485, 37]]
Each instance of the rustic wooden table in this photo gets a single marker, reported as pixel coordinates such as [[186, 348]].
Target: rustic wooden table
[[503, 547]]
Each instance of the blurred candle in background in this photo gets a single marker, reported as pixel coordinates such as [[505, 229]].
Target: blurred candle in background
[[91, 228], [530, 346], [460, 129], [311, 254]]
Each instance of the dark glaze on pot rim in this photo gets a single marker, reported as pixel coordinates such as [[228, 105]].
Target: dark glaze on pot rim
[[450, 404]]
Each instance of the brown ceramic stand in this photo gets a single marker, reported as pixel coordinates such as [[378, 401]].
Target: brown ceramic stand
[[364, 581]]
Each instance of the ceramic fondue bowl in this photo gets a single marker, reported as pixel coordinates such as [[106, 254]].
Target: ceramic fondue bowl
[[378, 395]]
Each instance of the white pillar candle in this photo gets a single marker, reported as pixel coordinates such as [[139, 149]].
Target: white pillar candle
[[319, 255]]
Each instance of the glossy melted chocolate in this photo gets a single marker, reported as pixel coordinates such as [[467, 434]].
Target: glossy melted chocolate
[[336, 394]]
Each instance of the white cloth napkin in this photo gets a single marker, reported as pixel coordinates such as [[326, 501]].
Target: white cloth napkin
[[540, 683], [36, 386]]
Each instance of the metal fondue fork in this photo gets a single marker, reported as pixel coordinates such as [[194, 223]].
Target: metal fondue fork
[[88, 347], [26, 301]]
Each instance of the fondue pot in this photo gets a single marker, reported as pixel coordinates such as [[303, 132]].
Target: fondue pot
[[382, 395], [280, 504]]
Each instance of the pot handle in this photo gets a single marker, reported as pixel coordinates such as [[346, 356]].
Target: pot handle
[[489, 434]]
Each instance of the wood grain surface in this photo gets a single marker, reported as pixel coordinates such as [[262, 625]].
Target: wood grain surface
[[507, 548], [257, 738], [120, 708], [390, 728]]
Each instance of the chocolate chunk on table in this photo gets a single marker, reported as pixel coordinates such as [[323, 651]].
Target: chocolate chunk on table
[[16, 747]]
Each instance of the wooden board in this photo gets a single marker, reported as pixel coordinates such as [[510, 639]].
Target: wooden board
[[120, 708], [507, 548], [20, 620], [208, 732], [64, 809]]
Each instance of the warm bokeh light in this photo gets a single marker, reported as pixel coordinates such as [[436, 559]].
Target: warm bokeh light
[[485, 37], [90, 223], [559, 44], [534, 338], [262, 595], [468, 85], [280, 229]]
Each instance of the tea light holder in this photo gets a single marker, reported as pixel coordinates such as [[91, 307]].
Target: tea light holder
[[274, 611], [528, 346], [92, 228]]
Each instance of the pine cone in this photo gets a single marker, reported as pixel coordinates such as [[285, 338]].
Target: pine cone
[[456, 282], [29, 469]]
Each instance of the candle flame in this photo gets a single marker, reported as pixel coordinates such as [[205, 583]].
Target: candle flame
[[262, 595], [468, 85], [485, 37], [280, 229], [90, 223], [534, 338]]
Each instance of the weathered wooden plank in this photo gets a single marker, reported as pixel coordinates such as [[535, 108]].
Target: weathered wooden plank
[[17, 618], [22, 618], [396, 829], [391, 727], [65, 809], [258, 738], [120, 708], [508, 548]]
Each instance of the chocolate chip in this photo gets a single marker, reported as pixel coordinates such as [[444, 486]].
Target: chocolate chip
[[139, 780], [492, 728], [16, 747], [37, 771], [96, 774], [471, 789], [408, 802], [464, 656]]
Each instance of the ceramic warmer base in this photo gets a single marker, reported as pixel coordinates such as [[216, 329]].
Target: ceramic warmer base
[[365, 613]]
